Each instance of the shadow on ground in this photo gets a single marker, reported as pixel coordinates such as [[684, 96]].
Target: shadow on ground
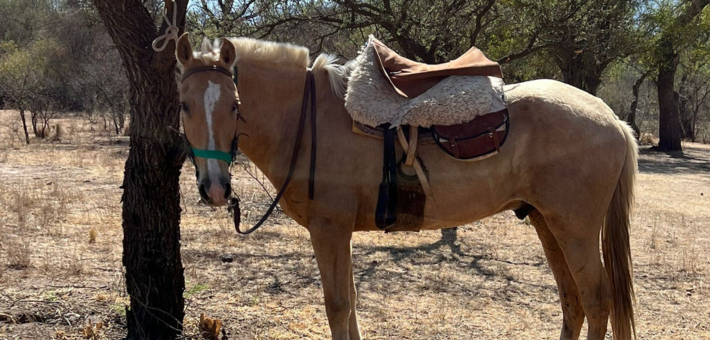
[[692, 160]]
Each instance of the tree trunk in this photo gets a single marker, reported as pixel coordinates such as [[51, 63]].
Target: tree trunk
[[668, 122], [151, 197], [115, 124], [669, 129], [580, 71], [631, 118], [684, 113], [34, 117], [24, 125]]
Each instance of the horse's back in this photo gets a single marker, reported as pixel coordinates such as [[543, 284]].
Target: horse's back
[[552, 108]]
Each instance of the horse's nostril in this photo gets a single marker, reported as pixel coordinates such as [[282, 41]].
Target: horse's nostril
[[203, 192]]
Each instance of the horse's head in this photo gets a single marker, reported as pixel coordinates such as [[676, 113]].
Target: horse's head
[[208, 97]]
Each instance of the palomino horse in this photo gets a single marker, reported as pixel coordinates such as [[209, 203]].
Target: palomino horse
[[567, 155]]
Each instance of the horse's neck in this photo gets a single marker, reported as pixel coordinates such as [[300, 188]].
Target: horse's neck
[[271, 104]]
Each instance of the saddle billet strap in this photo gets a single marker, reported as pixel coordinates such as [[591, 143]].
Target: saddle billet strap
[[294, 157]]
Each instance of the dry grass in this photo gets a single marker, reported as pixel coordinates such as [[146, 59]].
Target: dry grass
[[61, 272], [18, 254]]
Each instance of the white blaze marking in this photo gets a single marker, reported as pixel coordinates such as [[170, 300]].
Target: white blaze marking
[[210, 99]]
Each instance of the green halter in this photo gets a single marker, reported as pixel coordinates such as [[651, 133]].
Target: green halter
[[212, 154]]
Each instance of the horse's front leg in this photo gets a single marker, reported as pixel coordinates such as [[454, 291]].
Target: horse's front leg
[[331, 244]]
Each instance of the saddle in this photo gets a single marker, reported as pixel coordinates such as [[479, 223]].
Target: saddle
[[410, 78], [459, 105]]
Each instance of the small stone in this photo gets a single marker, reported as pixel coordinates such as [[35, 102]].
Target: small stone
[[227, 258], [72, 316], [92, 320]]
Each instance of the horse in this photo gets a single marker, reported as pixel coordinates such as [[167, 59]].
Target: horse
[[567, 156]]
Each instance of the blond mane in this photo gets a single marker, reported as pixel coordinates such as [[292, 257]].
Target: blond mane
[[283, 55], [280, 55], [338, 75]]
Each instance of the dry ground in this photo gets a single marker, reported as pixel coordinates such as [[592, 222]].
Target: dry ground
[[60, 257]]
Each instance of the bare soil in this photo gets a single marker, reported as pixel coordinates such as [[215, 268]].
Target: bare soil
[[61, 272]]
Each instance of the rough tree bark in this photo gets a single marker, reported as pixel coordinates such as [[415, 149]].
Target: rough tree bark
[[151, 199], [668, 122]]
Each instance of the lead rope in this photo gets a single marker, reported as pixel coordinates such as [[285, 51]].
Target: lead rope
[[171, 33], [310, 86]]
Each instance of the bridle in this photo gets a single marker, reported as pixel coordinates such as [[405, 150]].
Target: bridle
[[212, 154], [309, 94]]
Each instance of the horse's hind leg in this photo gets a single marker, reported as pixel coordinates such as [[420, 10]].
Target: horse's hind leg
[[333, 253], [354, 327], [579, 241], [572, 312]]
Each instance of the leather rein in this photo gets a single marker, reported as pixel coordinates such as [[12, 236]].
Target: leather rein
[[309, 94]]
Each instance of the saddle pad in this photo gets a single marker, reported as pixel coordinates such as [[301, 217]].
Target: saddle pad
[[371, 100]]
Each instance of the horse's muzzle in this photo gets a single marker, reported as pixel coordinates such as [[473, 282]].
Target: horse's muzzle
[[215, 194]]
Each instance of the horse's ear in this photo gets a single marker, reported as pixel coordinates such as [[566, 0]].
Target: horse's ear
[[183, 52], [227, 53]]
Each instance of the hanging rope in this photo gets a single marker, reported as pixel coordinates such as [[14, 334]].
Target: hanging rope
[[171, 33]]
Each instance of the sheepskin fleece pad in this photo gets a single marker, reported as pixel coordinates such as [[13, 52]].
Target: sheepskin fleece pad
[[371, 100]]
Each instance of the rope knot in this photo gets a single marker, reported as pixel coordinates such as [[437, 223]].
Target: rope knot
[[171, 33]]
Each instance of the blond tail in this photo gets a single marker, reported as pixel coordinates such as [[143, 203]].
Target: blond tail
[[615, 244]]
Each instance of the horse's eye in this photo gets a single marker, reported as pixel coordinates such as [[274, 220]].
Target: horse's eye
[[183, 106], [235, 108]]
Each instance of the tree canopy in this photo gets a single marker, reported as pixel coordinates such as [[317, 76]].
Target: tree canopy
[[594, 45]]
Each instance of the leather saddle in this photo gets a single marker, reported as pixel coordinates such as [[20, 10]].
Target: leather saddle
[[479, 138], [410, 78]]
